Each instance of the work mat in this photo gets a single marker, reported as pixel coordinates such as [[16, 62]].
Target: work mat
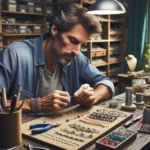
[[79, 126]]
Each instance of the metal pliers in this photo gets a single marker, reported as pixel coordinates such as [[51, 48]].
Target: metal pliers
[[30, 147], [42, 127]]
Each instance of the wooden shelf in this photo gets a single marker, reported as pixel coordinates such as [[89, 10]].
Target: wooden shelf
[[93, 50], [32, 34], [23, 13], [33, 1], [105, 61], [22, 24]]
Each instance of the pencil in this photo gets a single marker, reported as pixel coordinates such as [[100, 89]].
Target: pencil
[[4, 96]]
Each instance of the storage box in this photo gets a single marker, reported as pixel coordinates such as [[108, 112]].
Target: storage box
[[11, 20], [49, 10], [10, 7], [9, 1], [30, 7], [23, 29], [37, 29], [38, 8], [22, 8]]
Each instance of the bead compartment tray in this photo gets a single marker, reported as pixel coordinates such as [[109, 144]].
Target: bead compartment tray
[[144, 128], [116, 139]]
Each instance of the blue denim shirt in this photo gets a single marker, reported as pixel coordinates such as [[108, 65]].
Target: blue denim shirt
[[23, 62]]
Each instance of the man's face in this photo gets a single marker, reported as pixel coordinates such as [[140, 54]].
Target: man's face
[[67, 44]]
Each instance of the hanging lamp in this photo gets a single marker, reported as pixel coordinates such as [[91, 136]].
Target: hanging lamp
[[106, 7]]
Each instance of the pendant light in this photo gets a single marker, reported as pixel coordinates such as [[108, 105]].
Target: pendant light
[[106, 7]]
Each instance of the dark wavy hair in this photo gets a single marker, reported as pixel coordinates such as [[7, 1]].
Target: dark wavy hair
[[71, 14]]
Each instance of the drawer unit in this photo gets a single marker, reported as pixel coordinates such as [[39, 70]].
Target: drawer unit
[[98, 53]]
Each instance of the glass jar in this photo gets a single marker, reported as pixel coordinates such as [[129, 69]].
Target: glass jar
[[138, 86]]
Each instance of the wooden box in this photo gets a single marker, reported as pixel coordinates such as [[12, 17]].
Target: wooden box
[[118, 144], [37, 29], [98, 53]]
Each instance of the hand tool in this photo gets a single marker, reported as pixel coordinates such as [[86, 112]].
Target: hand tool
[[30, 147], [129, 123], [42, 127]]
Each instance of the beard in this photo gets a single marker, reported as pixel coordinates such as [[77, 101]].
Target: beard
[[63, 58]]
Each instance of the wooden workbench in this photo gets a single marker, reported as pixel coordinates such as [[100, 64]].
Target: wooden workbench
[[142, 142]]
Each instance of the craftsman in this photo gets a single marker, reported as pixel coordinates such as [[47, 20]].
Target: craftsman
[[52, 71]]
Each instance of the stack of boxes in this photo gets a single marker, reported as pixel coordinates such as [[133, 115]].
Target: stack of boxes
[[9, 5]]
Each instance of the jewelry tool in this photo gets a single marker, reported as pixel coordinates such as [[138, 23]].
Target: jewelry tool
[[129, 123], [42, 127], [13, 103], [18, 91], [30, 147]]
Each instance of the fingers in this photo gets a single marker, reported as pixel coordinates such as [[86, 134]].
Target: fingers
[[85, 96], [82, 88], [57, 100]]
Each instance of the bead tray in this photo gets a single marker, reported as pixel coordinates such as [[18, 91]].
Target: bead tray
[[116, 139], [76, 131], [144, 128]]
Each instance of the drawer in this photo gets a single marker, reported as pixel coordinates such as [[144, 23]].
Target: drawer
[[99, 53]]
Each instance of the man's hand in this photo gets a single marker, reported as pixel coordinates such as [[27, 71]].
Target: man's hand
[[85, 95], [55, 101]]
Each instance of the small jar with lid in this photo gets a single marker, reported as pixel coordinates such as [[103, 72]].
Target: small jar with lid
[[138, 86]]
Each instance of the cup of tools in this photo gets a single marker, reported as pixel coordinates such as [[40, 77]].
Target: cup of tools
[[10, 128]]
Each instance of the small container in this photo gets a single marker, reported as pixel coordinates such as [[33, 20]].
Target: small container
[[138, 86], [10, 129]]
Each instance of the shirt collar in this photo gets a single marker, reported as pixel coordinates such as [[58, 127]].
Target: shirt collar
[[39, 49]]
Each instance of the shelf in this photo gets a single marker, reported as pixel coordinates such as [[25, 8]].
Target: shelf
[[32, 1], [116, 62], [97, 41], [32, 34], [115, 80], [23, 13], [99, 64], [21, 24], [86, 2], [117, 21]]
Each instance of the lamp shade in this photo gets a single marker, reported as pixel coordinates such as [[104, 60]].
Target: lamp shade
[[106, 7]]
